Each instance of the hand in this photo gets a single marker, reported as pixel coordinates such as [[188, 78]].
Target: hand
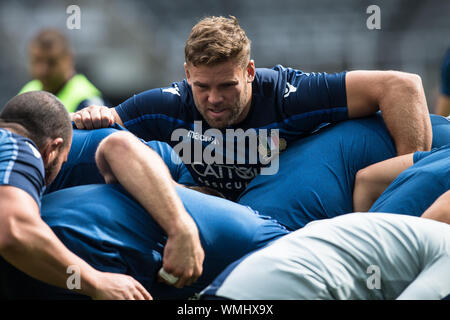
[[114, 286], [184, 255], [93, 117]]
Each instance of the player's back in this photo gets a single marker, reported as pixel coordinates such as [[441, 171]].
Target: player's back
[[339, 258], [107, 228]]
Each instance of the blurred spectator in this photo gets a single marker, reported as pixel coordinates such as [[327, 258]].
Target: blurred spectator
[[52, 67], [443, 104]]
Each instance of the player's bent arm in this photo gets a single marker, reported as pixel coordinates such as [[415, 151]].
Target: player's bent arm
[[29, 244], [440, 209], [443, 106], [400, 97], [141, 171], [371, 181], [95, 117]]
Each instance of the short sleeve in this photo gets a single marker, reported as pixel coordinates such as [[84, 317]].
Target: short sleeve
[[21, 165], [321, 94], [419, 155]]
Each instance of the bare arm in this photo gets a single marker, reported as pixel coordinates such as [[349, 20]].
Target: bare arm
[[401, 99], [371, 182], [440, 209], [443, 106], [28, 243], [142, 172]]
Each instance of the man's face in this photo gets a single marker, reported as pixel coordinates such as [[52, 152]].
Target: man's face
[[52, 169], [50, 66], [222, 93]]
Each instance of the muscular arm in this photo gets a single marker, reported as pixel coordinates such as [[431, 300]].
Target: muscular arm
[[401, 99], [143, 173], [370, 182], [440, 209], [31, 246]]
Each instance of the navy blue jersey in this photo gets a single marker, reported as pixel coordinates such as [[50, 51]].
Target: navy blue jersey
[[108, 229], [317, 173], [445, 75], [289, 100], [81, 169], [416, 188], [21, 164]]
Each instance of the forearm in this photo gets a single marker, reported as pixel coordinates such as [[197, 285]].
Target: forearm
[[365, 194], [145, 176], [33, 248], [405, 112], [371, 181], [440, 209]]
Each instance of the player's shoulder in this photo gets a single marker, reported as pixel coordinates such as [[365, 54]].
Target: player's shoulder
[[178, 92], [168, 99], [268, 81], [21, 164], [15, 146]]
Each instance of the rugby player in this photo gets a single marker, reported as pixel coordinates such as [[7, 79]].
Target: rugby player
[[223, 90], [35, 138], [353, 256]]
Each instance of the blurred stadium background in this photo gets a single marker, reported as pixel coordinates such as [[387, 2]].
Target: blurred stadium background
[[125, 47]]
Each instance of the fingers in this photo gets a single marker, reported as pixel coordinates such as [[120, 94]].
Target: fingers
[[106, 117], [78, 122], [141, 293], [93, 117]]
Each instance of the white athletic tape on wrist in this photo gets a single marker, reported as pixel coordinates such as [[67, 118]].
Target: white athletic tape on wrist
[[167, 276]]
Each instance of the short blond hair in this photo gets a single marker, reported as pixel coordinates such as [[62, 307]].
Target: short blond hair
[[214, 40]]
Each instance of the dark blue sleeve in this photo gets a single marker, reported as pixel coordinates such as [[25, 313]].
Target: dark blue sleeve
[[21, 166], [176, 166], [445, 75], [152, 115], [320, 95], [81, 168]]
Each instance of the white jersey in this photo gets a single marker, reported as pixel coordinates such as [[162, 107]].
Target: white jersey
[[353, 256]]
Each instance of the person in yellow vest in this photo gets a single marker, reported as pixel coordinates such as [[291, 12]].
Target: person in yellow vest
[[52, 67]]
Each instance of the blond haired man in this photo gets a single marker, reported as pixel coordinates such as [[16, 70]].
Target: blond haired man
[[223, 90], [226, 108]]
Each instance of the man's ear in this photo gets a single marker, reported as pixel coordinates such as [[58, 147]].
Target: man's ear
[[251, 71], [186, 71], [51, 150]]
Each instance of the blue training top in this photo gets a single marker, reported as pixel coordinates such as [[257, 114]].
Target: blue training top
[[294, 102], [21, 164], [317, 173], [109, 230], [416, 188], [81, 169]]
